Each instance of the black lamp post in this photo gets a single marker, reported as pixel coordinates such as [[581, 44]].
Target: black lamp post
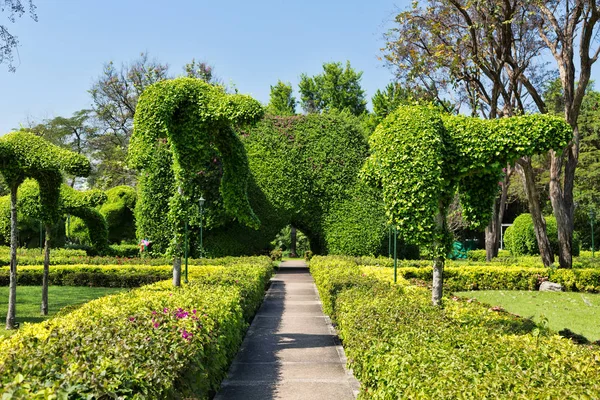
[[201, 203], [592, 215]]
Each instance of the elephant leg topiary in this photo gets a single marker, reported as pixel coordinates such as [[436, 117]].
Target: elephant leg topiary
[[420, 157]]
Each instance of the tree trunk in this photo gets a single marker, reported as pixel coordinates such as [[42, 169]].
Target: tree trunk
[[438, 264], [293, 253], [12, 296], [494, 229], [44, 308], [177, 271], [562, 202], [491, 234], [539, 224]]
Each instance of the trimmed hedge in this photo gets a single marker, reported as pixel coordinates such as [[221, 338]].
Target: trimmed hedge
[[400, 346], [154, 342], [114, 275]]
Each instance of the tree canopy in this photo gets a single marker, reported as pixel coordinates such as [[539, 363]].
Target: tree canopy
[[338, 87]]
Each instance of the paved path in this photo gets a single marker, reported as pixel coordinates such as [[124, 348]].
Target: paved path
[[291, 350]]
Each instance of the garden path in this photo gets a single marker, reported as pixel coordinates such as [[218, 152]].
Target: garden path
[[291, 350]]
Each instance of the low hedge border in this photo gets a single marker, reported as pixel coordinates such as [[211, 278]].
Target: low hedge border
[[460, 277], [400, 346], [126, 276], [153, 342]]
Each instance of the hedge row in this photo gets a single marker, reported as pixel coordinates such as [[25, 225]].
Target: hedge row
[[399, 346], [153, 342], [126, 276], [499, 277]]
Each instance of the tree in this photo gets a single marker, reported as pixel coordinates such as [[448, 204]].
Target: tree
[[453, 44], [201, 70], [24, 155], [485, 55], [74, 133], [115, 95], [394, 95], [282, 102], [420, 158], [9, 42], [560, 25], [337, 87]]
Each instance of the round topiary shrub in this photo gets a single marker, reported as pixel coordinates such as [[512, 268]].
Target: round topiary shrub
[[520, 238]]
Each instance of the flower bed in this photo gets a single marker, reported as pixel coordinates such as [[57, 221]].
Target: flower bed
[[399, 346], [153, 342]]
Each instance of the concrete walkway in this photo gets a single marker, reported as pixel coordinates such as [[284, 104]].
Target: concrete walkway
[[291, 350]]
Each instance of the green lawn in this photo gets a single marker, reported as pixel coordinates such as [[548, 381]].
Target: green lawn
[[579, 312], [29, 299]]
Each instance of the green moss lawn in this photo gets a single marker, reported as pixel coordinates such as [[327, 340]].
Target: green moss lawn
[[29, 299], [579, 312]]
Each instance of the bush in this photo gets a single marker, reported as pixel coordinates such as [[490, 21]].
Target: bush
[[276, 255], [400, 346], [520, 238], [126, 276], [125, 250], [154, 342]]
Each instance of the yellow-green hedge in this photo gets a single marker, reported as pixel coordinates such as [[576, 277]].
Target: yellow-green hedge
[[400, 346], [153, 342]]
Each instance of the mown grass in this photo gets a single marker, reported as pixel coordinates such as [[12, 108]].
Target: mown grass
[[29, 299], [578, 312]]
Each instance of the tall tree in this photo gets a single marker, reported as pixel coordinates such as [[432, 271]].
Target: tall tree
[[9, 42], [282, 102], [565, 26], [395, 95], [115, 95], [201, 70], [485, 55], [337, 87]]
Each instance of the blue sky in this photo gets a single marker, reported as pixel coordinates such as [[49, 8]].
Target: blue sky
[[250, 44]]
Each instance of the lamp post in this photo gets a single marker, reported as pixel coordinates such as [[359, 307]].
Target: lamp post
[[185, 251], [201, 203], [395, 254], [592, 215]]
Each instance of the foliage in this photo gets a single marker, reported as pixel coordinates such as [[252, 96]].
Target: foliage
[[283, 241], [115, 95], [394, 340], [191, 115], [520, 238], [118, 210], [336, 88], [24, 155], [419, 157], [202, 322], [9, 42], [301, 166], [282, 102], [393, 96]]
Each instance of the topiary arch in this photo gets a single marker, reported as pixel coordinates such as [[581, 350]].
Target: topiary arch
[[420, 157], [193, 118]]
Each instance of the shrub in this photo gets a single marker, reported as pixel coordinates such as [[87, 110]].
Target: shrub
[[276, 255], [154, 342], [520, 238], [400, 346]]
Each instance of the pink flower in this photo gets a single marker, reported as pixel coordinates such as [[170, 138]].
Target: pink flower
[[131, 319]]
